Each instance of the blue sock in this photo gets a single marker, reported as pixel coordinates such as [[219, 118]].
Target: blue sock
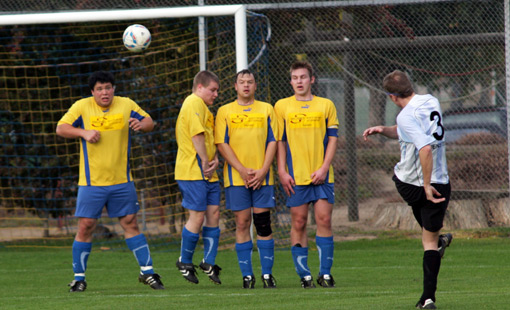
[[266, 254], [140, 248], [325, 246], [300, 257], [188, 243], [244, 251], [211, 238], [81, 251]]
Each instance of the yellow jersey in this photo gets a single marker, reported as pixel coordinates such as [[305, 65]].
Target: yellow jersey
[[194, 118], [305, 126], [247, 130], [106, 162]]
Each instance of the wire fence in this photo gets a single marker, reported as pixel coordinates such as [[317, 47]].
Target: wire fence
[[454, 50]]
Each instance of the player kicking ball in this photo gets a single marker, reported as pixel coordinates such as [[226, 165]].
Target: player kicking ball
[[103, 123], [245, 136], [421, 176]]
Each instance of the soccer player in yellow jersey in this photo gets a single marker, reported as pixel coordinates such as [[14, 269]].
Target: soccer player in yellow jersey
[[245, 136], [195, 172], [102, 123], [308, 133]]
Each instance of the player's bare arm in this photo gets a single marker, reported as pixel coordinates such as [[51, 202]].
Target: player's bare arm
[[387, 131], [286, 179], [199, 145], [426, 166], [144, 125], [68, 131], [319, 176], [258, 175], [228, 153]]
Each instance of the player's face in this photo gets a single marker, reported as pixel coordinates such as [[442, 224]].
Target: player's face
[[103, 94], [246, 86], [301, 82], [208, 93]]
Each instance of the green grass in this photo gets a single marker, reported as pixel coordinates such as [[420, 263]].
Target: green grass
[[370, 274]]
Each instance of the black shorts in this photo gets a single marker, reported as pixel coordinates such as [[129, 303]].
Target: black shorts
[[428, 214]]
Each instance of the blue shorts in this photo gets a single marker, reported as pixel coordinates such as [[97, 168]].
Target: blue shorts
[[120, 200], [240, 198], [311, 193], [197, 195]]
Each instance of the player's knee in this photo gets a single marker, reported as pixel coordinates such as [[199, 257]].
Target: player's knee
[[86, 227], [323, 220], [299, 223], [86, 224], [213, 213], [243, 224], [262, 222]]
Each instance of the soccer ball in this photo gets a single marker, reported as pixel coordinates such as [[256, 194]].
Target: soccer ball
[[136, 38]]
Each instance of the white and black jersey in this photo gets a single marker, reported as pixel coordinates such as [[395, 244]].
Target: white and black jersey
[[419, 124]]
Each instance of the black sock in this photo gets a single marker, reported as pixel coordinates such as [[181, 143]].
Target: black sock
[[431, 264]]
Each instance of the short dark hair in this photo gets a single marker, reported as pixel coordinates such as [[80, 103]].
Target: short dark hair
[[101, 77], [397, 83], [302, 65], [204, 78], [243, 72]]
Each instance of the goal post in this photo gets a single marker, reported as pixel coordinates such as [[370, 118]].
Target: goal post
[[238, 11], [45, 61]]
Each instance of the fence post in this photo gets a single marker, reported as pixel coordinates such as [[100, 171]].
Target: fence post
[[350, 134]]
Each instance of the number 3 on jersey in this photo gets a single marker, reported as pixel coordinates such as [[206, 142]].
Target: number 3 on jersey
[[439, 125]]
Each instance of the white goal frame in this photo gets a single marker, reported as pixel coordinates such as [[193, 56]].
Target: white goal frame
[[238, 11]]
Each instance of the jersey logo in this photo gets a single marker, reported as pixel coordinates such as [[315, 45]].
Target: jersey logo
[[107, 122], [247, 110], [210, 121], [247, 120], [306, 120], [305, 106]]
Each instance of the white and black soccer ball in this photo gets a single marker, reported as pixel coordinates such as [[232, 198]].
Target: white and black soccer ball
[[136, 38]]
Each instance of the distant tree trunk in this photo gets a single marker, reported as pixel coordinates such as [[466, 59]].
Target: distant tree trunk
[[485, 97], [46, 232], [456, 91], [377, 109]]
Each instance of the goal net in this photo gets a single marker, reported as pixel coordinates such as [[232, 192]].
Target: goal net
[[44, 69]]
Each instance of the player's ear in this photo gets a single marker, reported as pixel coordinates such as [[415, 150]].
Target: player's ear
[[312, 79]]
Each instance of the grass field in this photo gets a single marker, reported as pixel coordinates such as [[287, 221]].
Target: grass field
[[384, 273]]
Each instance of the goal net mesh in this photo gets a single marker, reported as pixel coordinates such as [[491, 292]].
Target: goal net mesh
[[44, 70]]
